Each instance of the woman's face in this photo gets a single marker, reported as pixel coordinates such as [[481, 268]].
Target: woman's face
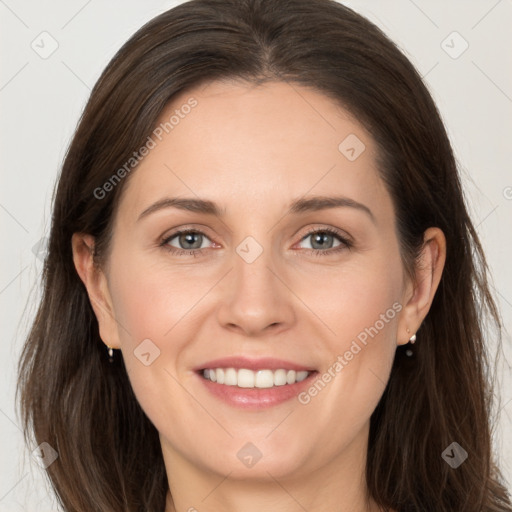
[[252, 294]]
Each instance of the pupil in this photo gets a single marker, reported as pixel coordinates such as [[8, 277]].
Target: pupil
[[321, 237], [189, 238]]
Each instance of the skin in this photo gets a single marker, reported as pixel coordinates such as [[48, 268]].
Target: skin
[[253, 150]]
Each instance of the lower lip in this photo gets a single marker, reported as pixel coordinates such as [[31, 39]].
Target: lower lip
[[256, 398]]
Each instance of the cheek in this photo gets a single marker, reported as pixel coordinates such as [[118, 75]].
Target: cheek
[[155, 309], [357, 300], [361, 307], [151, 299], [152, 308]]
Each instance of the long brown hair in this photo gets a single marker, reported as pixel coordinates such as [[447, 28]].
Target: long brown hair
[[70, 396]]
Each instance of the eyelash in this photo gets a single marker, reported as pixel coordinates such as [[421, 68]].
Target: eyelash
[[345, 243]]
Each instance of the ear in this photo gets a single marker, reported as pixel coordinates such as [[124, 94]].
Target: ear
[[96, 283], [419, 293]]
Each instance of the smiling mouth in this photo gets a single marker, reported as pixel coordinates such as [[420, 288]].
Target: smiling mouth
[[245, 378]]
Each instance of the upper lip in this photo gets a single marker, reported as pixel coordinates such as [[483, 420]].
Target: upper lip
[[264, 363]]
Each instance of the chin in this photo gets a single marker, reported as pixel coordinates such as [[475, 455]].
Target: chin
[[259, 459]]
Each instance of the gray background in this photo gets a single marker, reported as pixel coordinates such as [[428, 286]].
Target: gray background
[[42, 96]]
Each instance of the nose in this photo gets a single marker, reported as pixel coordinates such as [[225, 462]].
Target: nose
[[256, 298]]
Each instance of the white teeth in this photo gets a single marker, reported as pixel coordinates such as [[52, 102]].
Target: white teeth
[[301, 376], [244, 378], [264, 379], [230, 377], [279, 377]]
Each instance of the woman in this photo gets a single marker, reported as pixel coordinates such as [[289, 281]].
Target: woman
[[263, 289]]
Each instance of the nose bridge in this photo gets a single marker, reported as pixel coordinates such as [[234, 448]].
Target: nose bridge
[[256, 298], [254, 282], [251, 266]]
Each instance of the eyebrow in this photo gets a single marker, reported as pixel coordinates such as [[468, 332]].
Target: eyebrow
[[302, 205]]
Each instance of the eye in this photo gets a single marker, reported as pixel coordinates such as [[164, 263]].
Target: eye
[[189, 241], [322, 241]]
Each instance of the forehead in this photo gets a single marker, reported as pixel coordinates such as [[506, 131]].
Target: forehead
[[256, 147]]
